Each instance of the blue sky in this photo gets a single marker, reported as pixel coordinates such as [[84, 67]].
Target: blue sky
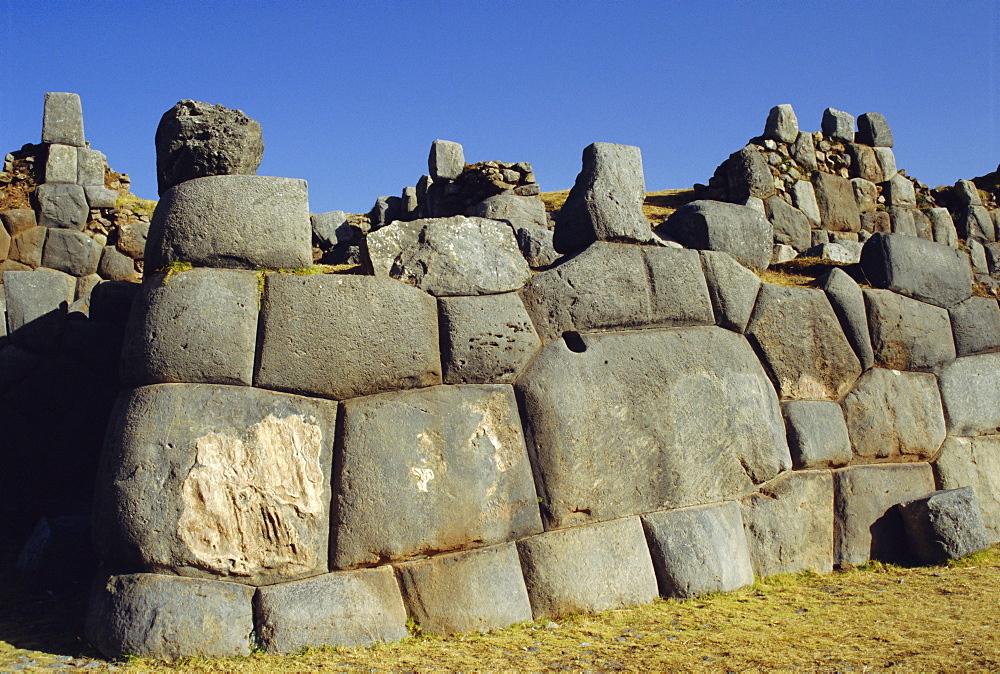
[[351, 94]]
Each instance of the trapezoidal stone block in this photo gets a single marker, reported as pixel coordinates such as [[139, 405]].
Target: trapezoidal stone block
[[341, 336], [234, 221], [347, 608], [975, 463], [587, 569], [970, 389], [866, 524], [699, 549], [218, 482], [62, 119], [802, 343], [477, 590], [677, 398], [154, 616], [789, 523], [439, 469], [198, 326]]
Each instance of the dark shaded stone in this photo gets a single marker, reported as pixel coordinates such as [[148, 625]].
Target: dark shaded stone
[[975, 463], [944, 525], [873, 130], [975, 324]]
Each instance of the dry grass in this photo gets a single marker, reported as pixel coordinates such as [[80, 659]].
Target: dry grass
[[809, 272], [877, 617], [657, 207]]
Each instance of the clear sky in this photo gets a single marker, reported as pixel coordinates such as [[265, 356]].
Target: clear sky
[[350, 94]]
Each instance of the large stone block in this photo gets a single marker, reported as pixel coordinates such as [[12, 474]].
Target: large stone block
[[838, 125], [219, 482], [804, 198], [27, 247], [240, 221], [199, 327], [478, 590], [886, 161], [748, 175], [90, 167], [970, 389], [975, 222], [154, 616], [36, 304], [975, 463], [739, 230], [377, 335], [899, 192], [975, 323], [618, 286], [864, 163], [782, 124], [348, 608], [802, 343], [874, 130], [518, 211], [486, 339], [62, 119], [195, 139], [72, 252], [789, 524], [848, 303], [907, 334], [446, 160], [60, 164], [17, 220], [866, 524], [450, 256], [62, 205], [99, 196], [698, 550], [536, 246], [865, 195], [804, 151], [646, 451], [439, 469], [837, 207], [944, 525], [924, 270], [733, 289], [116, 266], [817, 434], [892, 414], [605, 203], [587, 569], [791, 226]]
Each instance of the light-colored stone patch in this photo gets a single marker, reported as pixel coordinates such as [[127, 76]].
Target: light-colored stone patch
[[242, 497]]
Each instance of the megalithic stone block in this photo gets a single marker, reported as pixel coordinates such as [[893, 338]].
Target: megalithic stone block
[[924, 270], [61, 205], [838, 125], [944, 525], [446, 160], [62, 121], [60, 165], [782, 124]]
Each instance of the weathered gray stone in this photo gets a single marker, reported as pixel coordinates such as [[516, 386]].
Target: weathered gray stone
[[846, 252], [478, 590], [782, 253], [866, 524], [619, 286], [966, 193], [11, 265], [238, 221], [944, 525], [167, 339], [27, 246], [865, 194], [804, 198], [789, 523], [791, 226], [849, 304], [838, 125], [85, 284], [886, 161], [60, 164], [410, 203], [782, 124], [874, 130], [154, 616], [892, 414], [446, 160], [924, 270], [879, 221], [72, 252], [99, 196], [377, 335], [537, 246], [698, 550], [819, 237], [922, 225], [605, 203], [804, 151], [485, 340], [450, 256], [748, 175], [115, 266], [211, 481], [36, 304], [899, 191], [902, 220], [665, 455], [326, 226], [817, 434], [587, 569], [62, 119], [62, 205], [835, 196], [132, 239], [715, 225], [975, 323], [732, 287], [907, 334], [439, 469], [975, 222], [387, 210], [802, 344], [977, 257], [864, 163], [348, 608], [17, 220], [195, 139], [90, 167], [970, 388], [518, 211], [974, 462], [992, 251]]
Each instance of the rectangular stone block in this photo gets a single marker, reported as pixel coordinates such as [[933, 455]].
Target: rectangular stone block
[[789, 523], [340, 336], [62, 120], [60, 165], [348, 608], [478, 590], [439, 469], [72, 252], [17, 220], [586, 569], [699, 549], [970, 389], [36, 306], [62, 205], [975, 463], [90, 166], [99, 196], [28, 246], [866, 524]]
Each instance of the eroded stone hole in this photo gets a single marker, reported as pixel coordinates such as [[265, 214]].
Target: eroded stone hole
[[574, 341]]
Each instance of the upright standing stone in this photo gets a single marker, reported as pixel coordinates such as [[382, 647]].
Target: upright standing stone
[[849, 304], [733, 289], [195, 139], [782, 124], [886, 161], [838, 125], [899, 191], [748, 175], [864, 163], [62, 121], [966, 193], [804, 151], [446, 160], [975, 222], [60, 165], [874, 130], [605, 203], [838, 209], [804, 198], [943, 227]]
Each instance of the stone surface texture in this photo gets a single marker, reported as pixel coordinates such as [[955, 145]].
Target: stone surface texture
[[837, 207], [944, 525], [970, 389], [848, 303], [907, 334], [817, 434], [975, 324], [62, 119], [732, 287], [741, 231], [975, 463], [924, 270]]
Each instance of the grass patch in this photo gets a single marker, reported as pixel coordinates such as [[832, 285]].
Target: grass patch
[[657, 207], [320, 269], [130, 202], [173, 269], [809, 272]]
